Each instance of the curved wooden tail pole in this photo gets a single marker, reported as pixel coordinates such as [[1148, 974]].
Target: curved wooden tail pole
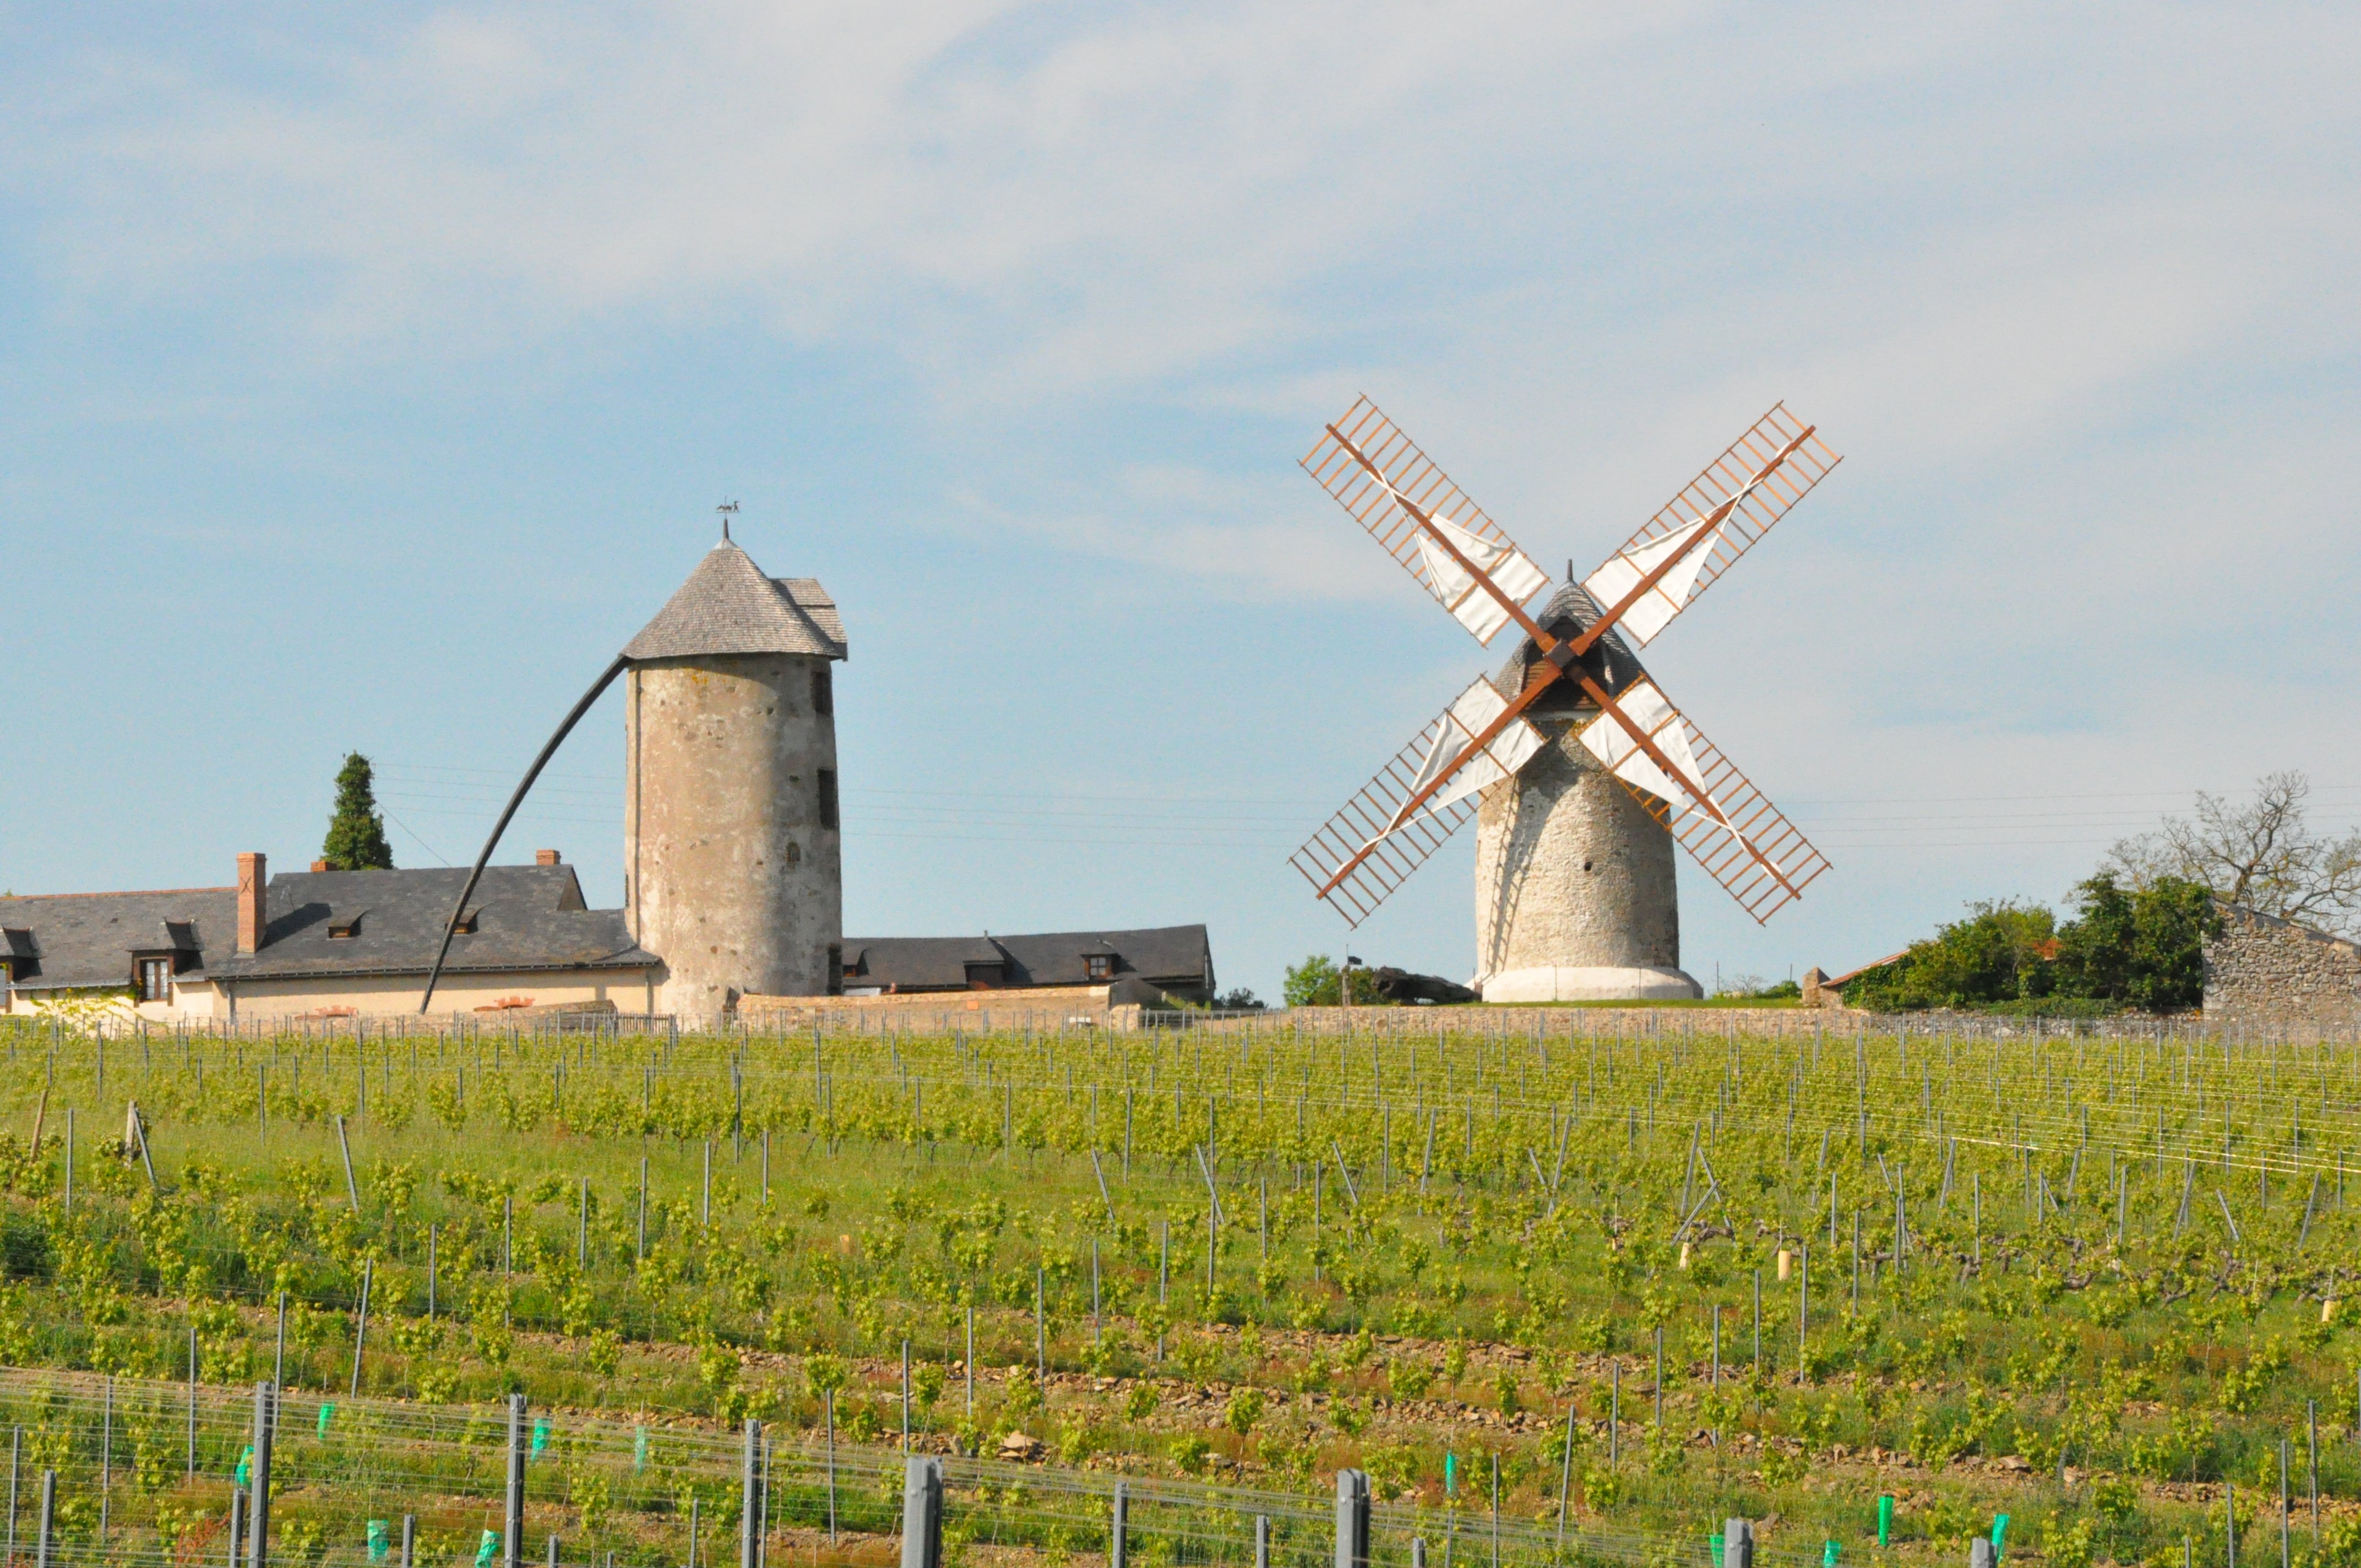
[[451, 929]]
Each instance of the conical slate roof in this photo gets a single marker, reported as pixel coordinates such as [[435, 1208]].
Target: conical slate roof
[[1610, 661], [728, 606]]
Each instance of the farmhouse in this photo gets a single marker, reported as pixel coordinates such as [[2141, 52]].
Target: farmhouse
[[732, 874], [328, 944]]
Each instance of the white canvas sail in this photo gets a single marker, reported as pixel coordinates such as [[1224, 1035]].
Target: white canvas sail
[[1613, 745], [1655, 609], [1467, 717], [1497, 559]]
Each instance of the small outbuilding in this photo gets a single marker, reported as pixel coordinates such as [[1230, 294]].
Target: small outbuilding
[[2263, 971]]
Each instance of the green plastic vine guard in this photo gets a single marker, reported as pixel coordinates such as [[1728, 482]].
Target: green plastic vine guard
[[327, 1413], [2000, 1534], [1829, 1551], [1715, 1542], [540, 1436], [1884, 1518], [485, 1547], [378, 1543]]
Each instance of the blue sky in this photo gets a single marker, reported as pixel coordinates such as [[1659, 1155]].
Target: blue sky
[[367, 376]]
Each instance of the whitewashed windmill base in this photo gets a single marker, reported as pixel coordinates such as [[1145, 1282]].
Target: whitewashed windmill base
[[1574, 894]]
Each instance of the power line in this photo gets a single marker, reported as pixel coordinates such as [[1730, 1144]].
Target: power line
[[406, 828]]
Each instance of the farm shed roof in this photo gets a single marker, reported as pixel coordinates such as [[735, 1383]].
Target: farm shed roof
[[67, 941], [527, 917], [1168, 956], [1570, 612], [728, 606]]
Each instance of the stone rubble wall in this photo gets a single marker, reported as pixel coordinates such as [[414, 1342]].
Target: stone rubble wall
[[1002, 1008], [2268, 973]]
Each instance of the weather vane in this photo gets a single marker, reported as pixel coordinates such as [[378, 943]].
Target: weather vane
[[727, 510]]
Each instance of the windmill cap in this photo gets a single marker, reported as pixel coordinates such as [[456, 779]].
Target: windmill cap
[[728, 606], [1570, 612]]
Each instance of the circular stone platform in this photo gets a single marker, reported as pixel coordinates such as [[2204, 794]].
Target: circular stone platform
[[1591, 985]]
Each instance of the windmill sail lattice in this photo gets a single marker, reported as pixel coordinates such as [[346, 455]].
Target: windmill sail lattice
[[1381, 814], [1447, 740], [1759, 506], [1365, 439], [1741, 839]]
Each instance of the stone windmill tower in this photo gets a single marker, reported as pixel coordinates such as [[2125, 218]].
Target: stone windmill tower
[[1580, 770], [732, 852], [733, 866], [1575, 891]]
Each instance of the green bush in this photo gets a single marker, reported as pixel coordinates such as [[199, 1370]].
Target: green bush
[[1314, 982], [2140, 947], [2000, 953]]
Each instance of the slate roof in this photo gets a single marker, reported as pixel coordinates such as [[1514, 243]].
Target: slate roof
[[70, 940], [1610, 661], [1172, 957], [529, 917], [728, 606]]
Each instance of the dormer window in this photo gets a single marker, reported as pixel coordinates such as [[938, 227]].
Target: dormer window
[[346, 929], [154, 979], [466, 925], [983, 976], [1099, 966]]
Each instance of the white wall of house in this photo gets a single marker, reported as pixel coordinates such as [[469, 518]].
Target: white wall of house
[[631, 991]]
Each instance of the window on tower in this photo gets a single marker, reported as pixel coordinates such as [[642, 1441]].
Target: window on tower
[[827, 797], [823, 691]]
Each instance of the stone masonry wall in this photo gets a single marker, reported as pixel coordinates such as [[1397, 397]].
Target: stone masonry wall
[[2266, 972], [1571, 872]]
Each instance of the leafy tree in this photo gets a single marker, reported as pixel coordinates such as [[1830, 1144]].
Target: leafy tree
[[1317, 981], [2262, 855], [356, 833], [1998, 954], [2144, 946], [2127, 947], [1314, 982]]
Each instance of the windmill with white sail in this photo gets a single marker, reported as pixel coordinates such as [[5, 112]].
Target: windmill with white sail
[[1579, 770]]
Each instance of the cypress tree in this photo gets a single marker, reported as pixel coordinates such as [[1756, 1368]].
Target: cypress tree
[[356, 833]]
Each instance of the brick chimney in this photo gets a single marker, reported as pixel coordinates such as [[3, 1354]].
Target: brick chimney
[[253, 874], [545, 856], [319, 866]]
